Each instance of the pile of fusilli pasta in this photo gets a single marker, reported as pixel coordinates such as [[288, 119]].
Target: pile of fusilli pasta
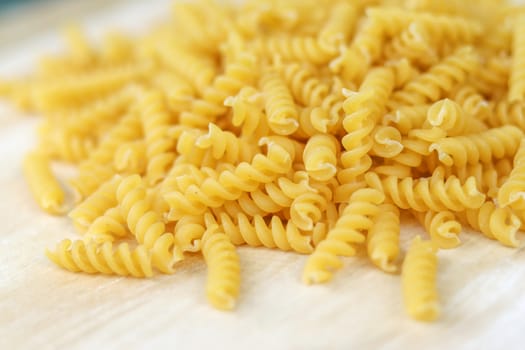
[[285, 124]]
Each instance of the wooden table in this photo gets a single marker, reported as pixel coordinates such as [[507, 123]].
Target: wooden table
[[482, 284]]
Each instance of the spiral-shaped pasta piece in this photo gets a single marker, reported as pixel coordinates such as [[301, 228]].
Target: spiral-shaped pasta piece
[[434, 193], [443, 227], [156, 119], [418, 278], [63, 145], [95, 204], [304, 85], [439, 79], [223, 284], [177, 91], [144, 223], [512, 191], [320, 157], [79, 256], [356, 217], [450, 30], [231, 184], [272, 232], [517, 73], [382, 241], [496, 143], [494, 222], [44, 185], [280, 107], [363, 112], [294, 48], [493, 79]]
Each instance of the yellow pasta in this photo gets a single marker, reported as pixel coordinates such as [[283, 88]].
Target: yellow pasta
[[287, 125], [45, 187], [383, 238], [419, 281]]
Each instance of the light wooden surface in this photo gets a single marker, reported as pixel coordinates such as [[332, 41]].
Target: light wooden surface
[[482, 284]]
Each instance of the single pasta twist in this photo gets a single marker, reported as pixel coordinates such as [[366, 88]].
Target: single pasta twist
[[418, 278], [450, 30], [43, 184], [144, 223], [294, 48], [356, 217], [443, 227], [486, 175], [223, 284], [271, 233], [493, 79], [382, 240], [304, 85], [450, 117], [95, 204], [434, 193], [280, 107], [517, 73], [156, 119], [439, 79], [512, 191], [404, 71], [63, 145], [231, 184], [496, 143], [494, 222], [320, 157], [79, 256], [363, 111]]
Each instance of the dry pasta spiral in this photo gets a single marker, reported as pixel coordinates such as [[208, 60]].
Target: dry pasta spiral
[[79, 256], [443, 227], [434, 193], [511, 193], [382, 240], [223, 284], [357, 216], [419, 280]]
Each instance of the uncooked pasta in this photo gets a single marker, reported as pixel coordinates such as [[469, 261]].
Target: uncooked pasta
[[288, 125]]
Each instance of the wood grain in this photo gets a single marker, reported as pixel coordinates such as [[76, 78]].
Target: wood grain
[[482, 284]]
